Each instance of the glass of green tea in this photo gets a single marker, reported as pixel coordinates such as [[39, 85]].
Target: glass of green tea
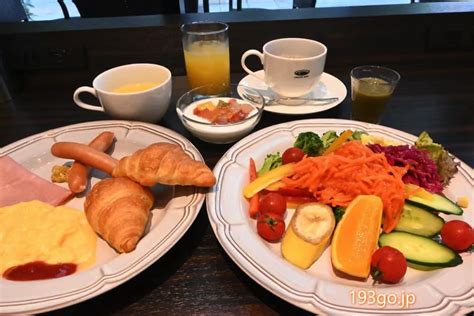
[[372, 87]]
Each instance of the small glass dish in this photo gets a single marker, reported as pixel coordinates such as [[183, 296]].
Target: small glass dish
[[219, 133]]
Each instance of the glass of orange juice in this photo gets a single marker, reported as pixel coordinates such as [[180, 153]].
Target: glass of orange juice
[[206, 55]]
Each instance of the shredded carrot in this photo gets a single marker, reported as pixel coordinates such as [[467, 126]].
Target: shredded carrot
[[351, 170]]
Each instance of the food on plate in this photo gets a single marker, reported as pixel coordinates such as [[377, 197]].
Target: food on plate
[[118, 210], [225, 112], [79, 173], [433, 202], [421, 171], [59, 173], [419, 221], [270, 226], [463, 201], [421, 252], [35, 231], [352, 170], [308, 234], [268, 178], [273, 202], [17, 184], [271, 162], [292, 154], [355, 237], [364, 183], [457, 235], [388, 265], [163, 163], [447, 167]]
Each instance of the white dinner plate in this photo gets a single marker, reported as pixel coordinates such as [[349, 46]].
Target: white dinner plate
[[175, 210], [318, 289], [327, 87]]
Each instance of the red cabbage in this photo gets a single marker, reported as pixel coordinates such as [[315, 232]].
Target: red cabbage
[[422, 171]]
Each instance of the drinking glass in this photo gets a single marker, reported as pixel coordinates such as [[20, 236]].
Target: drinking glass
[[206, 55], [371, 87]]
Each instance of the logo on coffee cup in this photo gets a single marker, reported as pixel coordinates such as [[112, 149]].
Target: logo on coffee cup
[[302, 73]]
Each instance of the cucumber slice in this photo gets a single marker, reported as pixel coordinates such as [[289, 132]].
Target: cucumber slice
[[418, 221], [421, 251], [438, 203]]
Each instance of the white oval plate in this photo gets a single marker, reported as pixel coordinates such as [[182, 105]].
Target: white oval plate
[[327, 87], [318, 289], [176, 209]]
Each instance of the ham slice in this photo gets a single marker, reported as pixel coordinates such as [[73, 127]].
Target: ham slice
[[17, 184]]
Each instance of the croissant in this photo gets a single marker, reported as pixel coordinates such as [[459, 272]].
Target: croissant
[[163, 163], [118, 210]]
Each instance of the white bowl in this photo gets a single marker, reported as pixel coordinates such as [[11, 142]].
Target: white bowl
[[215, 133]]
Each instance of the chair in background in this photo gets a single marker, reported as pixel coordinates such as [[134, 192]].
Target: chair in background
[[297, 4], [12, 11]]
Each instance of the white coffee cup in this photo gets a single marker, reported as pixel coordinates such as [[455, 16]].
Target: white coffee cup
[[147, 105], [292, 66]]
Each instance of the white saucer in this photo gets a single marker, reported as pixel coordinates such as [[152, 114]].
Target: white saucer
[[328, 86]]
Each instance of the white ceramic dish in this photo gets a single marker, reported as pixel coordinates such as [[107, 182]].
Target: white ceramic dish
[[318, 289], [219, 133], [328, 86], [171, 217]]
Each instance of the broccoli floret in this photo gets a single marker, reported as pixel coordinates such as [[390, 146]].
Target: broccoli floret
[[310, 143], [328, 138], [271, 162], [338, 212]]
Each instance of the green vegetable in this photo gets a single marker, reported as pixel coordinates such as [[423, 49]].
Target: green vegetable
[[338, 212], [271, 162], [447, 167], [357, 135], [418, 221], [328, 138], [438, 203], [310, 143], [421, 252]]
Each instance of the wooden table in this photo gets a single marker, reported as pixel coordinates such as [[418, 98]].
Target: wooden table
[[196, 276]]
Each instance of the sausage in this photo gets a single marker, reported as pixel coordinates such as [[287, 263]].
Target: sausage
[[78, 174], [84, 154]]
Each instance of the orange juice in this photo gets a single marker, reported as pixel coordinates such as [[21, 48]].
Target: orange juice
[[135, 87], [207, 63]]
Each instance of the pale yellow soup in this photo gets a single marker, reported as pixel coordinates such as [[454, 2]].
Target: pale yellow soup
[[135, 87]]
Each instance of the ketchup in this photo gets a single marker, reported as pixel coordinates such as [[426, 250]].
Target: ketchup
[[39, 270]]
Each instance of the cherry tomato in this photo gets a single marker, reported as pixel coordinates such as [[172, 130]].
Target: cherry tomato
[[457, 235], [273, 203], [270, 226], [292, 154], [388, 265]]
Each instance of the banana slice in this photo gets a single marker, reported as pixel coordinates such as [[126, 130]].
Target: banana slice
[[308, 234]]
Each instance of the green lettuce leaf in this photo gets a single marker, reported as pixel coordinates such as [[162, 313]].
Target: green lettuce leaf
[[272, 161]]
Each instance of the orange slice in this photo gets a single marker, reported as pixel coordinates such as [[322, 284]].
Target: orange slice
[[356, 236]]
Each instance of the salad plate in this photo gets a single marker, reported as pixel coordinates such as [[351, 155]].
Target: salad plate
[[320, 289], [327, 87], [172, 215]]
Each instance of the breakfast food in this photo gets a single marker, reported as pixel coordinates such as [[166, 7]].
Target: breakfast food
[[379, 192], [308, 234], [78, 174], [163, 163], [118, 210], [38, 232], [224, 112], [356, 235], [17, 184]]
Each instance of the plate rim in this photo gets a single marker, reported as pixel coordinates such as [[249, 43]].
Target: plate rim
[[315, 109], [106, 282], [312, 303]]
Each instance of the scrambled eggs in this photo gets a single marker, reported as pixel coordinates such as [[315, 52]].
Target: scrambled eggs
[[372, 139], [36, 231]]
